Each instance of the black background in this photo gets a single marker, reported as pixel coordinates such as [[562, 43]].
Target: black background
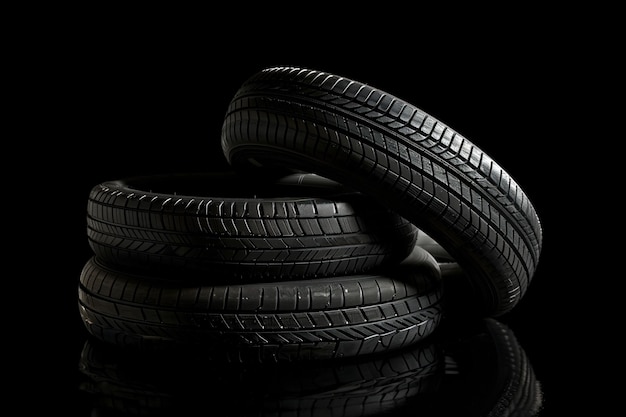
[[120, 100]]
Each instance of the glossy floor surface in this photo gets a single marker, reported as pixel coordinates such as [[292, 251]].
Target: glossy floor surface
[[476, 369]]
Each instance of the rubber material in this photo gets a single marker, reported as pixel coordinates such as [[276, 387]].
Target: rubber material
[[307, 120], [225, 225], [284, 320]]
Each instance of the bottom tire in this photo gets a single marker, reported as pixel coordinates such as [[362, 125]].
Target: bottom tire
[[287, 320]]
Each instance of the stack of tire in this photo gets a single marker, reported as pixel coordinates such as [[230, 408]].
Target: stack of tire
[[310, 247]]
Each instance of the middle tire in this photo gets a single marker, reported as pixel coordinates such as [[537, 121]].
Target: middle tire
[[228, 225]]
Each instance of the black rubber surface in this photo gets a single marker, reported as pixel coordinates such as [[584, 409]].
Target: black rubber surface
[[227, 225], [307, 120]]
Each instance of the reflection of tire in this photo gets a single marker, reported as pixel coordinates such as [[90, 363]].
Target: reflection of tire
[[487, 372], [383, 146], [229, 224], [282, 320], [144, 384]]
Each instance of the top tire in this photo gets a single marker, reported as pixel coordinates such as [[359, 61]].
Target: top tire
[[376, 143]]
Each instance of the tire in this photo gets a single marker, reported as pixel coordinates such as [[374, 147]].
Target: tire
[[311, 121], [227, 225], [263, 322]]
